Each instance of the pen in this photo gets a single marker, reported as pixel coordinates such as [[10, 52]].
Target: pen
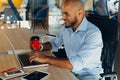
[[7, 70]]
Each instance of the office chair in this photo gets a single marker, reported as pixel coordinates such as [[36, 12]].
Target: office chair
[[40, 17], [109, 30]]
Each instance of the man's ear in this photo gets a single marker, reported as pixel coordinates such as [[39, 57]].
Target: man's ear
[[80, 11]]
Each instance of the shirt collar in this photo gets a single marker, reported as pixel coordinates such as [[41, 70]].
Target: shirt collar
[[83, 25]]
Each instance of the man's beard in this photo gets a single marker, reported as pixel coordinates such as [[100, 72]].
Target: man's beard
[[72, 23]]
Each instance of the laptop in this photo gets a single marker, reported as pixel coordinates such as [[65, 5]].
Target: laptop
[[23, 59]]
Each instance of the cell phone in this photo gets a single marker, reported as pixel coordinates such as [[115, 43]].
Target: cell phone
[[14, 73], [1, 78], [36, 75]]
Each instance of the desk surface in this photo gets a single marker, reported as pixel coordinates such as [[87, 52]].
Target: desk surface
[[56, 73], [14, 39], [19, 39]]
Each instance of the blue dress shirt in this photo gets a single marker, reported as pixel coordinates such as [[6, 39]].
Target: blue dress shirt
[[83, 47]]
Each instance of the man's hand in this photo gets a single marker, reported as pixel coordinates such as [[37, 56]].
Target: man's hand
[[37, 58]]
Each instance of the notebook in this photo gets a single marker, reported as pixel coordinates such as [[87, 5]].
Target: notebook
[[23, 58]]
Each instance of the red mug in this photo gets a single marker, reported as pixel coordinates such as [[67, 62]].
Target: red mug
[[35, 43]]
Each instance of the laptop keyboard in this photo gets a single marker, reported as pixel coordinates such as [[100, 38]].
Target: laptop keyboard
[[24, 60]]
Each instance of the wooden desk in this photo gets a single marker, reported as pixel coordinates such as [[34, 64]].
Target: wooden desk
[[19, 39], [14, 39], [56, 73]]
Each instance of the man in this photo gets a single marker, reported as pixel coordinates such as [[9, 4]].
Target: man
[[113, 6], [101, 7], [107, 8], [82, 41]]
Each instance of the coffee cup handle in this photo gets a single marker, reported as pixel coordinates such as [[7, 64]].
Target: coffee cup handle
[[41, 47]]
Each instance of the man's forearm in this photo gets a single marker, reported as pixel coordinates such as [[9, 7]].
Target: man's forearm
[[60, 62]]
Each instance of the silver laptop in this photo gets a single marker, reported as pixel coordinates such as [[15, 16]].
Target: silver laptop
[[23, 59]]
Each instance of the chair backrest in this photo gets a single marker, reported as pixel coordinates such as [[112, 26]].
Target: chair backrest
[[42, 13], [41, 17], [109, 30]]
